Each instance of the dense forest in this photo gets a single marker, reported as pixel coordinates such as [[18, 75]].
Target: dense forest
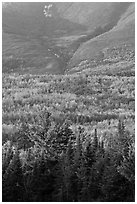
[[68, 102], [70, 137]]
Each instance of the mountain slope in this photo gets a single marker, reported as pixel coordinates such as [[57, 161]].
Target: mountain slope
[[92, 14], [122, 34], [28, 19], [63, 37]]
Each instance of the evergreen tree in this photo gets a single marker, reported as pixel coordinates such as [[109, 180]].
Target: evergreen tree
[[7, 154], [95, 141], [124, 139], [42, 184], [13, 181], [121, 128], [60, 137]]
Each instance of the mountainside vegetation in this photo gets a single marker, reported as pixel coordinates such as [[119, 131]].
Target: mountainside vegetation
[[68, 102], [118, 35], [60, 41], [65, 133]]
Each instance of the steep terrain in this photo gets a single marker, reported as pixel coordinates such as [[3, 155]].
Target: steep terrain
[[68, 102], [29, 19], [119, 39], [92, 14], [53, 37]]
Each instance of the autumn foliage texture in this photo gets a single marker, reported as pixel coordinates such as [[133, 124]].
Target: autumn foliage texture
[[54, 163]]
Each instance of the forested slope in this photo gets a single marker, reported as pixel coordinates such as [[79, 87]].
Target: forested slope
[[123, 34], [34, 40], [68, 103]]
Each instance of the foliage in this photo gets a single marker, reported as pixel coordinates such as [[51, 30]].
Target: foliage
[[68, 167], [71, 137]]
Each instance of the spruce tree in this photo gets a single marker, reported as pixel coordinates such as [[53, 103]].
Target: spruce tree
[[13, 181], [42, 184], [95, 141], [7, 154]]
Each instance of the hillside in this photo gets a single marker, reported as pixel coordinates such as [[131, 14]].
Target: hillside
[[21, 18], [61, 38], [92, 14], [99, 48], [68, 102]]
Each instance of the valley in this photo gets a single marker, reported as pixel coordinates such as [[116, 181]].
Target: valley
[[38, 53], [56, 44], [68, 102]]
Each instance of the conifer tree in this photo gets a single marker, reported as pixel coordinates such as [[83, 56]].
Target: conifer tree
[[95, 141], [7, 154], [101, 148], [124, 138], [13, 182], [42, 184], [121, 128]]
